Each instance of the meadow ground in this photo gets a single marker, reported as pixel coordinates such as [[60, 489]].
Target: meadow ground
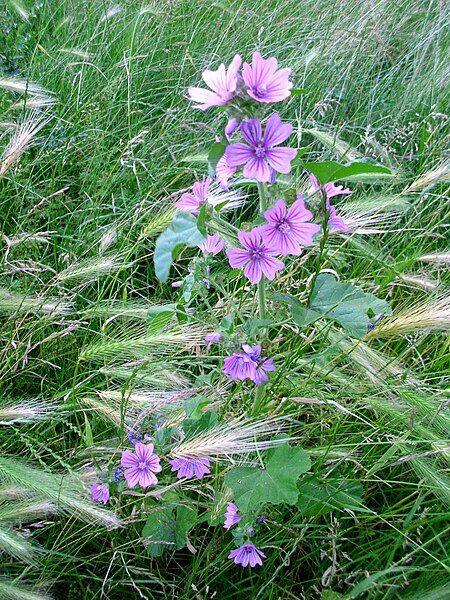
[[80, 210]]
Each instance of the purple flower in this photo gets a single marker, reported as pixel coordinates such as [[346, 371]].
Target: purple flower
[[100, 492], [248, 364], [177, 284], [239, 367], [190, 467], [256, 258], [134, 437], [231, 515], [246, 555], [263, 365], [213, 338], [250, 531], [212, 245], [191, 201], [117, 475], [260, 520], [264, 82], [259, 156], [223, 82], [335, 222], [140, 465], [287, 229]]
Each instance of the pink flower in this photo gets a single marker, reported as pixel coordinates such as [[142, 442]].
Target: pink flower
[[264, 82], [191, 201], [213, 338], [248, 364], [190, 467], [212, 245], [100, 492], [263, 365], [231, 515], [232, 126], [246, 555], [224, 172], [256, 258], [330, 188], [140, 465], [286, 228], [260, 157], [223, 82], [335, 222]]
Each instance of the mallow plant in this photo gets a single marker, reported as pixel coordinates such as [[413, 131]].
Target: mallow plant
[[260, 211]]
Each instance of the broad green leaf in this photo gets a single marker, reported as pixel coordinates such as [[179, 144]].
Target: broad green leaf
[[186, 518], [358, 171], [348, 305], [319, 498], [344, 303], [252, 325], [159, 531], [168, 527], [254, 487], [193, 407], [182, 231]]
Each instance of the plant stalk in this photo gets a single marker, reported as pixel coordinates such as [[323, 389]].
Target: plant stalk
[[260, 390]]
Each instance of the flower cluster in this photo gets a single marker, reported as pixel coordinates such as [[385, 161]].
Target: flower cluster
[[247, 554], [139, 468], [261, 80]]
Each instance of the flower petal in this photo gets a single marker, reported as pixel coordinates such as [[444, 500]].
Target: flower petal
[[251, 131], [276, 132], [237, 257], [280, 158], [238, 154], [253, 271], [257, 168], [132, 477], [270, 266], [277, 213], [129, 459]]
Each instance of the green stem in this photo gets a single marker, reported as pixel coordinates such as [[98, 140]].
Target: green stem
[[322, 244], [262, 197], [260, 390]]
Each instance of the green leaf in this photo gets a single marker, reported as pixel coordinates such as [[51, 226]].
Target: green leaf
[[182, 231], [341, 302], [167, 527], [253, 487], [193, 407], [345, 303], [319, 498], [215, 154], [252, 325], [358, 171], [186, 518], [159, 531]]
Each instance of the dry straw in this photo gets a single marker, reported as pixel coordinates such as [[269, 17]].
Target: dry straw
[[22, 139], [432, 314]]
